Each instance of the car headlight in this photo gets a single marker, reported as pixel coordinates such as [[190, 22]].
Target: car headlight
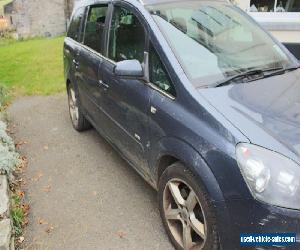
[[271, 177]]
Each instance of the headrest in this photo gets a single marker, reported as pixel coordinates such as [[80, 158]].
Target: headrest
[[179, 23]]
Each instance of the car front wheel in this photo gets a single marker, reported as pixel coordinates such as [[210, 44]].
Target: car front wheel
[[186, 210]]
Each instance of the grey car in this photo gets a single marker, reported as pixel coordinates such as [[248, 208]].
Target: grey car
[[202, 102]]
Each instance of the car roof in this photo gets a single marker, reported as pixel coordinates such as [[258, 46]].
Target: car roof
[[154, 2], [143, 2], [84, 3]]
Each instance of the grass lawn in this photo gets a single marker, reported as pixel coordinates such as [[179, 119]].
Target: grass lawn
[[32, 67]]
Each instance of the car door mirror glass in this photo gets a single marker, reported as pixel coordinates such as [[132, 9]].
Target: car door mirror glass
[[129, 68]]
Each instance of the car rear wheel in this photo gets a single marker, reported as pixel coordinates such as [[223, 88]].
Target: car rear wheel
[[186, 210], [80, 123]]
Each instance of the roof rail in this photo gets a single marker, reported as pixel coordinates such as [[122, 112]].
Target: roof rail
[[141, 1]]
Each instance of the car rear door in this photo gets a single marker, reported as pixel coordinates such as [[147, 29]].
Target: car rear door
[[90, 61], [72, 46], [126, 101]]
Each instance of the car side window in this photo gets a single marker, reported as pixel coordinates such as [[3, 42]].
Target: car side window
[[75, 24], [158, 73], [94, 28], [127, 36]]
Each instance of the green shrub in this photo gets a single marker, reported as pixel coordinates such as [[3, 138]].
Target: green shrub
[[4, 97]]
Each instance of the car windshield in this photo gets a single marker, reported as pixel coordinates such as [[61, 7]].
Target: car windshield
[[214, 41]]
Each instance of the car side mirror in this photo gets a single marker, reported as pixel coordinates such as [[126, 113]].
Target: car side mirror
[[129, 68]]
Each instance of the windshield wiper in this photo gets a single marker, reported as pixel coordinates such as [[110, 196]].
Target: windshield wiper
[[282, 70], [256, 74]]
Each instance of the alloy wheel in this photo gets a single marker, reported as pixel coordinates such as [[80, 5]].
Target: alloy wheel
[[73, 106], [184, 215]]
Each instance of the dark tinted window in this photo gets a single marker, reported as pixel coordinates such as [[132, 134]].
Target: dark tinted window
[[74, 27], [127, 36], [158, 73], [95, 27]]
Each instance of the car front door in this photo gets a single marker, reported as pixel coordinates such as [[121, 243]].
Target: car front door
[[126, 101], [90, 61]]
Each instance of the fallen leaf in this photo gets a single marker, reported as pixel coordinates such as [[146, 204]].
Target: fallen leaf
[[23, 162], [21, 239], [24, 158], [20, 143], [10, 131], [37, 176], [46, 147], [47, 189], [49, 229], [42, 222], [25, 208], [21, 194], [25, 222], [121, 234]]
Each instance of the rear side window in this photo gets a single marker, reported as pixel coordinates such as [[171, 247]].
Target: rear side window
[[127, 36], [94, 28], [75, 25], [158, 73]]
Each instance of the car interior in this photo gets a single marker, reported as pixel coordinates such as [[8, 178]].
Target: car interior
[[95, 27], [127, 38]]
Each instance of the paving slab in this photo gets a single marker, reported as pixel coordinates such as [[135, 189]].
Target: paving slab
[[4, 198], [5, 234]]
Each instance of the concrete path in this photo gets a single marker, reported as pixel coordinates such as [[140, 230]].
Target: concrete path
[[82, 195]]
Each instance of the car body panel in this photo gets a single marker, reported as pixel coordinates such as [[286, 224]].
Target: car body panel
[[71, 53], [126, 117], [90, 91], [248, 216], [267, 111]]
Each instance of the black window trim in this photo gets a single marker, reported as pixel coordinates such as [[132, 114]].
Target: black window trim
[[85, 21], [152, 85], [87, 10], [79, 34], [104, 52], [82, 32], [104, 56], [147, 45], [138, 15]]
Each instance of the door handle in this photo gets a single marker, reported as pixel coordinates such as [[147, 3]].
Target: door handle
[[76, 63], [104, 85]]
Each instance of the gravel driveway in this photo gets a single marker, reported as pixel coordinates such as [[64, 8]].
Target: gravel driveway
[[82, 195]]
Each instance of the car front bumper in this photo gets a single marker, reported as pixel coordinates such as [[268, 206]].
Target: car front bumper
[[250, 216]]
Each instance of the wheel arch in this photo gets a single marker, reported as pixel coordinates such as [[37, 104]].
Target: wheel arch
[[164, 162], [70, 78], [170, 150], [173, 149], [68, 82]]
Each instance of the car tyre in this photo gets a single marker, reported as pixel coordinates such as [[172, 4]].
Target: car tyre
[[79, 122], [186, 210]]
